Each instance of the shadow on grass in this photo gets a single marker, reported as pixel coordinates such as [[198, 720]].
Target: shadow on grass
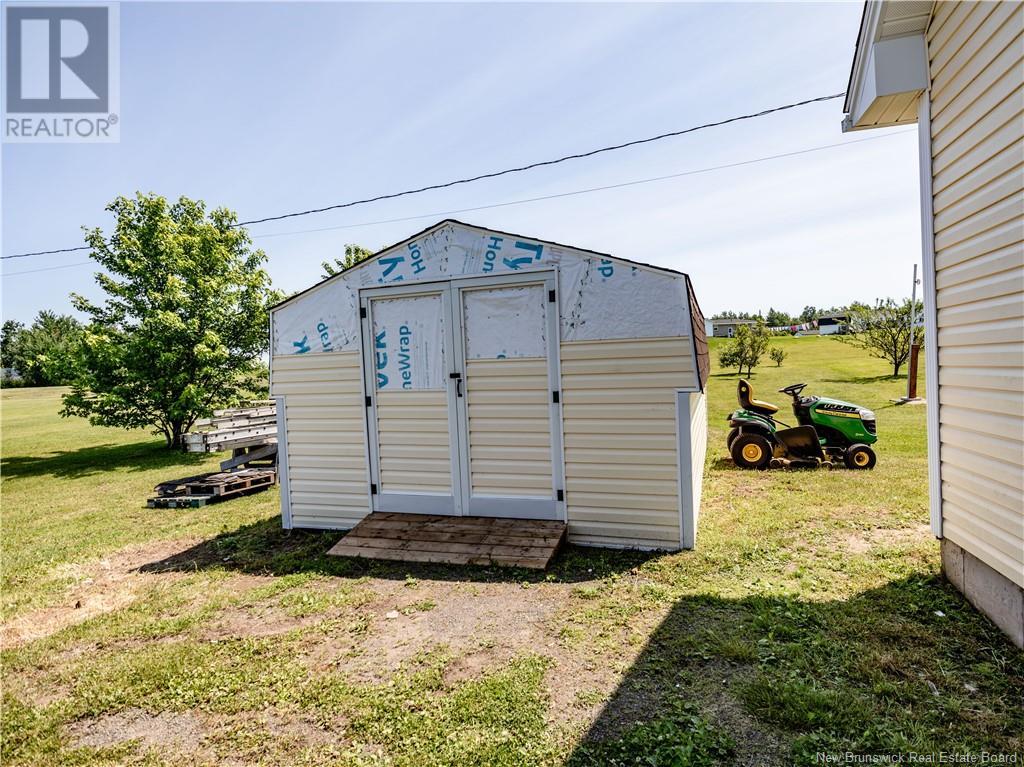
[[909, 666], [864, 379], [136, 456], [264, 548]]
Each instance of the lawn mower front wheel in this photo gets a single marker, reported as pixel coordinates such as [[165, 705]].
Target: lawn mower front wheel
[[751, 451], [859, 456]]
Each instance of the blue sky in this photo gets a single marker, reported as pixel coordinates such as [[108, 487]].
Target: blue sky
[[270, 108]]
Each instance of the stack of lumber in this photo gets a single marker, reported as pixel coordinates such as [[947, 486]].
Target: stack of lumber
[[235, 428]]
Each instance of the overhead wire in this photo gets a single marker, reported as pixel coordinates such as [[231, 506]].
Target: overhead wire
[[492, 174]]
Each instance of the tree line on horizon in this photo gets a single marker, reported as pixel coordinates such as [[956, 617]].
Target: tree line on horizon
[[776, 318]]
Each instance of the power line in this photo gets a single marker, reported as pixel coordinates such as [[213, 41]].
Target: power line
[[48, 252], [493, 174], [543, 163], [45, 269], [575, 192]]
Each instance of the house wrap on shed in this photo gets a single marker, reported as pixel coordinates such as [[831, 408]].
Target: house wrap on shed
[[467, 371]]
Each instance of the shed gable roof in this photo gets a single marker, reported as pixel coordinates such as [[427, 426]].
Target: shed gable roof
[[454, 223]]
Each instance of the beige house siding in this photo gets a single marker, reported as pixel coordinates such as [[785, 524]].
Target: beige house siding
[[412, 432], [508, 403], [619, 431], [326, 457], [976, 61]]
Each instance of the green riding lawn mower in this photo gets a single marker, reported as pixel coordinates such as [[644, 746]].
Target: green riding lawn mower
[[829, 431]]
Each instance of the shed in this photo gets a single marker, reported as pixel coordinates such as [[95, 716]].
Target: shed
[[467, 371]]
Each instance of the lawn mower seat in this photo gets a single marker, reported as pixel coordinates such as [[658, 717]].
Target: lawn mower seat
[[745, 395]]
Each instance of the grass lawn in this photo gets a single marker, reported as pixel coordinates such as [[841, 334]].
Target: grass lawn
[[810, 618]]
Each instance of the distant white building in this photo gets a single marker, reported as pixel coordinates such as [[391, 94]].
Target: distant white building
[[727, 326], [833, 325]]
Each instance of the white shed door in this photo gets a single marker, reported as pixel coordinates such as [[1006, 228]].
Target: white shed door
[[408, 340], [462, 397], [508, 413]]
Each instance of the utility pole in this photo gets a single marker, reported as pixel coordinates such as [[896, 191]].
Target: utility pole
[[915, 349]]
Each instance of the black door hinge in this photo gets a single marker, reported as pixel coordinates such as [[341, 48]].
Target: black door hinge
[[362, 312], [369, 400], [373, 488], [551, 296], [560, 495], [555, 397]]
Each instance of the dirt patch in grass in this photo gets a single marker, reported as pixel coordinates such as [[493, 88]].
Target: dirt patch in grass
[[865, 541], [97, 587], [482, 625], [180, 731]]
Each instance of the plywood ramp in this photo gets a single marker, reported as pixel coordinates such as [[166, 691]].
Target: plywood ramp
[[529, 543]]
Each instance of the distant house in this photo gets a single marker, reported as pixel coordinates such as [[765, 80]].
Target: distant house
[[954, 69], [833, 324], [727, 326]]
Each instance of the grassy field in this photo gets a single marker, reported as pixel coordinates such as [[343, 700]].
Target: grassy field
[[810, 618]]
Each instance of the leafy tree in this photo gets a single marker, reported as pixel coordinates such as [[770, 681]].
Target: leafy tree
[[45, 353], [353, 255], [184, 322], [884, 330], [808, 314], [778, 355], [776, 318], [10, 334], [747, 348], [729, 356]]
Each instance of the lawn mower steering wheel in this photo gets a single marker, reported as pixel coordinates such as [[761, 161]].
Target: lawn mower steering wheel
[[793, 390]]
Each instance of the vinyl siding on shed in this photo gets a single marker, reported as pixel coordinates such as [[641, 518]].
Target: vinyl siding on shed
[[976, 65], [619, 431], [327, 474]]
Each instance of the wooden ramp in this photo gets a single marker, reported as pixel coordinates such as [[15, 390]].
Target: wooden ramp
[[530, 543]]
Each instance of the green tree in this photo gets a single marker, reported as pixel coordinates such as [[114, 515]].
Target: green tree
[[883, 330], [184, 322], [776, 318], [808, 314], [353, 255], [45, 353], [778, 355], [746, 349], [10, 334]]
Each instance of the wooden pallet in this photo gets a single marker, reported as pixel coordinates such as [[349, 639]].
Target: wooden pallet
[[179, 502], [232, 482], [193, 492], [529, 543]]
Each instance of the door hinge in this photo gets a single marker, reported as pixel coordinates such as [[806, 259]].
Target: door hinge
[[369, 400], [560, 495], [362, 312], [373, 488], [555, 397], [551, 296]]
